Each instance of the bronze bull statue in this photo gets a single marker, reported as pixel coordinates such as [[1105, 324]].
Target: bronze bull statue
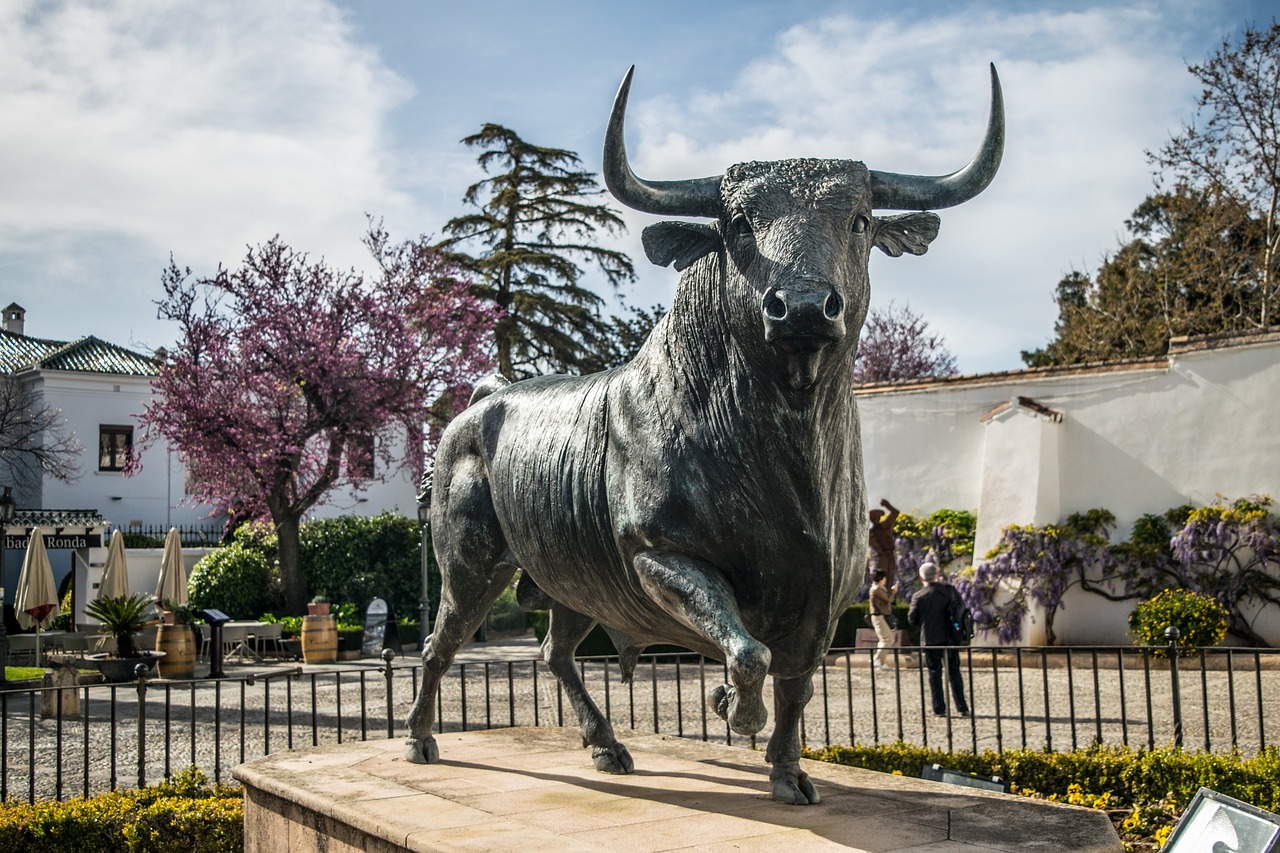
[[709, 493]]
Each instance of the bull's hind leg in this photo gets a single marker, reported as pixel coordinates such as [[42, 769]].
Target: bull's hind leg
[[455, 623], [697, 594], [475, 566], [567, 630], [789, 783]]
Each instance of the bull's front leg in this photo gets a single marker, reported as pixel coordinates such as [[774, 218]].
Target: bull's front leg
[[697, 594], [790, 784]]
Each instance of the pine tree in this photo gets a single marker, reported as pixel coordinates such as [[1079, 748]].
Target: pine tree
[[535, 225]]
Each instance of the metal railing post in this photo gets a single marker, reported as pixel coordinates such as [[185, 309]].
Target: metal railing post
[[141, 672], [387, 657], [1171, 634]]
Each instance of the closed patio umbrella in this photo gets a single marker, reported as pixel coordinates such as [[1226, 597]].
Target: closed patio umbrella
[[172, 586], [115, 576], [36, 602]]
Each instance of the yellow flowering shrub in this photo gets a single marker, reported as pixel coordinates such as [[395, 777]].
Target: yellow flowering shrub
[[1200, 620]]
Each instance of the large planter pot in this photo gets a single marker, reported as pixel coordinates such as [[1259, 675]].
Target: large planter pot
[[178, 642], [122, 669], [319, 639]]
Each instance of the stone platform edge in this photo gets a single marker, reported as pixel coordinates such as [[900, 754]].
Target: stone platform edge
[[536, 789]]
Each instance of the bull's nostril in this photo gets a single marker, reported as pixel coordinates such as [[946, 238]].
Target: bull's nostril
[[833, 306], [775, 307]]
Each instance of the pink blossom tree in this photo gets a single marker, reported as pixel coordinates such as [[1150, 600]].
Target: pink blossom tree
[[897, 344], [291, 379]]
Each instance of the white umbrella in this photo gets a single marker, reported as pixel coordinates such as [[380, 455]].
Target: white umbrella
[[172, 586], [115, 576], [36, 602]]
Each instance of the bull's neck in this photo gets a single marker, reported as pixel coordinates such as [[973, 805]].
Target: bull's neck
[[717, 382]]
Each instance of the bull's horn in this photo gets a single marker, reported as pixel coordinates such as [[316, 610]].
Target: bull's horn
[[920, 192], [697, 197]]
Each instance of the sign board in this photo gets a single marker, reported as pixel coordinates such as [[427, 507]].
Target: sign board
[[380, 630], [54, 541]]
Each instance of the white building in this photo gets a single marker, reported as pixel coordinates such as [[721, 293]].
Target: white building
[[100, 389], [1033, 446]]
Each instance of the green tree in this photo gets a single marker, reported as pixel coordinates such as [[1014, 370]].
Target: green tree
[[1203, 253], [624, 335], [1189, 268], [1233, 150], [535, 225]]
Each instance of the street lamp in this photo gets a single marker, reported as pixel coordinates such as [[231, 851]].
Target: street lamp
[[7, 506], [424, 526]]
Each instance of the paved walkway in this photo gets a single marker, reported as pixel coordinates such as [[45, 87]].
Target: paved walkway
[[536, 790]]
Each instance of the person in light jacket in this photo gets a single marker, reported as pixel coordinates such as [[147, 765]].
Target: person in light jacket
[[882, 596]]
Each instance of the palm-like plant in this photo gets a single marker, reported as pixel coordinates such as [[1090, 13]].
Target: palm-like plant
[[122, 617]]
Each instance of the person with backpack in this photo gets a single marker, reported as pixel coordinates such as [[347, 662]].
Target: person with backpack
[[936, 610]]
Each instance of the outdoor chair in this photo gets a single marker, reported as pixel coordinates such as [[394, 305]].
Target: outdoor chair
[[203, 638], [267, 640], [233, 639], [74, 644], [22, 650]]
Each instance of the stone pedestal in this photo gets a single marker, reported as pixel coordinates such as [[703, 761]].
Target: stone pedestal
[[534, 789]]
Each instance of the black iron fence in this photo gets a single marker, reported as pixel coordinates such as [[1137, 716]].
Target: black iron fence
[[192, 535], [65, 742]]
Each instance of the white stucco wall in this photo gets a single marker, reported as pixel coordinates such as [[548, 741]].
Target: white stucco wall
[[1134, 439], [155, 496]]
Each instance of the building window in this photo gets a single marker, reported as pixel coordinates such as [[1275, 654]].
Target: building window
[[115, 445], [360, 450]]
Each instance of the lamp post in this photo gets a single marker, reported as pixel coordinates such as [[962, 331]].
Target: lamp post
[[7, 506], [424, 520]]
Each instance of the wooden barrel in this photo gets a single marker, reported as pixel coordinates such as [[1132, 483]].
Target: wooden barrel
[[319, 639], [178, 642]]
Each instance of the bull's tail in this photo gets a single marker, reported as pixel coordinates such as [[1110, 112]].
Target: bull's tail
[[485, 387]]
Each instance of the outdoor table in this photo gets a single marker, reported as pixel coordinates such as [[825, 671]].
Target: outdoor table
[[242, 645]]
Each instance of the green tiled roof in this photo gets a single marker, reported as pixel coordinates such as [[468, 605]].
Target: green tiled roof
[[86, 355], [57, 518]]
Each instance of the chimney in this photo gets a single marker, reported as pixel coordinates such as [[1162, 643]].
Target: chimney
[[15, 318]]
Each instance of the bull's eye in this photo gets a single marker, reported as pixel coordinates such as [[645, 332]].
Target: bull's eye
[[860, 223], [742, 240]]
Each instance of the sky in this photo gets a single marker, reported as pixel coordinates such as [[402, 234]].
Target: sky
[[137, 130]]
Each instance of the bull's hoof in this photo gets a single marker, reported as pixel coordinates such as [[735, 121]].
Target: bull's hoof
[[793, 787], [613, 759], [720, 699], [745, 718], [422, 751]]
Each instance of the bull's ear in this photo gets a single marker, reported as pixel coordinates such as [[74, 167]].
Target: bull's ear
[[910, 232], [681, 242]]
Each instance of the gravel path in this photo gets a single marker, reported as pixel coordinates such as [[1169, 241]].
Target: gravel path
[[268, 708]]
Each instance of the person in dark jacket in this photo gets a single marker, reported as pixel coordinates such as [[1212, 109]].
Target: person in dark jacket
[[929, 612]]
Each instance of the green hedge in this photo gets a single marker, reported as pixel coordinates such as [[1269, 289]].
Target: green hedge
[[1134, 776], [184, 814], [348, 560]]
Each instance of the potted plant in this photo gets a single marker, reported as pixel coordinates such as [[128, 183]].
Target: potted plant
[[122, 618], [319, 606], [177, 639]]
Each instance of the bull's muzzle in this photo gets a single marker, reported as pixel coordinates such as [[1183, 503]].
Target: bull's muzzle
[[795, 316], [802, 322]]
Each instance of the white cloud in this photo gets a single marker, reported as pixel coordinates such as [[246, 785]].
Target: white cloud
[[192, 127]]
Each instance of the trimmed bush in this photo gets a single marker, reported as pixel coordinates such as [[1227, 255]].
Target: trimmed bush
[[1200, 620], [355, 559], [184, 814], [238, 580]]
